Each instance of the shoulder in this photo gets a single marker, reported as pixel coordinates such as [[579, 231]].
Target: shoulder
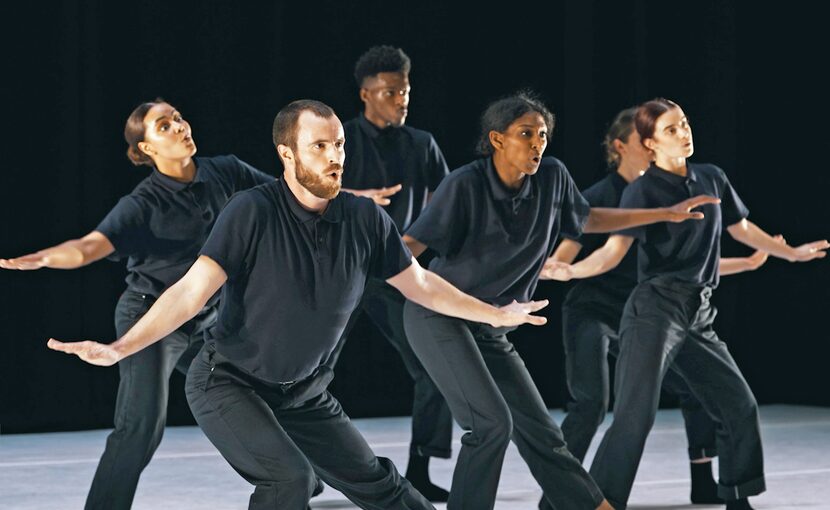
[[708, 170], [553, 168], [253, 200], [420, 136], [226, 165], [602, 193]]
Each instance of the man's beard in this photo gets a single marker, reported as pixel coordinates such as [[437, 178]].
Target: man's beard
[[318, 185]]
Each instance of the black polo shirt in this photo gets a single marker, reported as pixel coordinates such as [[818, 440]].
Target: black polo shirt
[[161, 225], [294, 277], [617, 284], [377, 158], [688, 251], [491, 241]]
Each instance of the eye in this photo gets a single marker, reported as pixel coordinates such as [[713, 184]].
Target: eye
[[338, 145], [388, 93], [177, 117], [672, 130], [525, 133], [543, 134], [164, 127]]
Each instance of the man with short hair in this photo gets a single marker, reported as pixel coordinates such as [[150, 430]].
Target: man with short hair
[[293, 256], [398, 167]]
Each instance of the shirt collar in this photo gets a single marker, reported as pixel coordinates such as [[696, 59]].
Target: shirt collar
[[332, 214], [172, 184], [372, 131], [502, 192], [670, 177]]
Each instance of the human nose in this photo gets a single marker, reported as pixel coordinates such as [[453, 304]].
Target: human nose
[[402, 98], [537, 143]]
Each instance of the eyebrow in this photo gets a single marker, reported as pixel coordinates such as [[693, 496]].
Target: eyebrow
[[165, 116], [672, 125], [315, 142]]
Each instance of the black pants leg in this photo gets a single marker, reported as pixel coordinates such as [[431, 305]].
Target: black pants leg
[[494, 399], [277, 440], [141, 406], [587, 335], [431, 417], [658, 328], [700, 427]]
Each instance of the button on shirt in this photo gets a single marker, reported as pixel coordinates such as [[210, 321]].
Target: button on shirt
[[295, 277], [620, 281], [492, 241], [378, 158], [161, 225], [690, 250]]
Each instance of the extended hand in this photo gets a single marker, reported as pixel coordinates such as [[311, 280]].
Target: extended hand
[[682, 211], [760, 257], [556, 270], [25, 262], [92, 352], [517, 313], [379, 195], [810, 251]]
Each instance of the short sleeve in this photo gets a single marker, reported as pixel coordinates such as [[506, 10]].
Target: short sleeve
[[126, 227], [392, 255], [437, 167], [574, 208], [248, 176], [633, 198], [732, 207], [442, 222], [231, 241]]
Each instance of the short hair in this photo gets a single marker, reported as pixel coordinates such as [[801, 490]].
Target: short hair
[[134, 132], [284, 131], [620, 129], [647, 114], [381, 59], [501, 113]]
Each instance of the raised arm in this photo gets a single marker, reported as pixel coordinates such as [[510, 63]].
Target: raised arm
[[70, 254], [603, 219], [177, 305], [431, 291], [600, 261], [751, 235]]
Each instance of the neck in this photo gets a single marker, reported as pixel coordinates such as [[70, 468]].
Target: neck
[[508, 174], [307, 200], [673, 165], [183, 170], [374, 119], [629, 172]]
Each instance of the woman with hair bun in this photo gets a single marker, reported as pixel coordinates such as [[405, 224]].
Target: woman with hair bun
[[159, 227]]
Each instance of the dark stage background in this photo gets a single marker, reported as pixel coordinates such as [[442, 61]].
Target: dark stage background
[[748, 78]]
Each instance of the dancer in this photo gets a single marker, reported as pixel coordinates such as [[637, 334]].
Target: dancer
[[500, 216], [159, 227], [295, 255], [667, 320], [591, 316], [398, 167]]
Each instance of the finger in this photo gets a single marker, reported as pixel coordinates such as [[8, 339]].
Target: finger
[[382, 201], [536, 320], [388, 192], [535, 306], [702, 200], [696, 216], [57, 345]]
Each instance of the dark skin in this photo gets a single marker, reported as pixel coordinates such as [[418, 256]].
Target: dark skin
[[517, 153]]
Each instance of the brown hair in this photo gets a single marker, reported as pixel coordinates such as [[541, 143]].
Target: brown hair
[[620, 129], [284, 131], [134, 132], [647, 115]]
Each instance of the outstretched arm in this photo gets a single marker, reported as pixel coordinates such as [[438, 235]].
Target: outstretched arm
[[566, 252], [604, 219], [751, 235], [431, 291], [600, 261], [735, 265], [414, 245], [379, 195], [70, 254], [177, 305]]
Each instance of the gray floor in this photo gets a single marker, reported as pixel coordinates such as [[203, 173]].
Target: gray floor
[[51, 471]]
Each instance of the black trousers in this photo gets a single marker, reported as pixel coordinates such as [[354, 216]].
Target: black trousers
[[493, 398], [668, 322], [277, 437], [141, 404], [590, 332], [431, 417]]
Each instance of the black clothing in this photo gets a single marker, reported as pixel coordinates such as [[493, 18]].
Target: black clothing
[[161, 225], [379, 158], [491, 241], [294, 277]]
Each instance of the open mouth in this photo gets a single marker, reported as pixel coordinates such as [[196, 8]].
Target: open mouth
[[536, 159]]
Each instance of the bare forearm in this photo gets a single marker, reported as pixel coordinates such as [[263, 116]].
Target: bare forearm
[[566, 251], [751, 235], [604, 219], [439, 295], [71, 254], [174, 307], [734, 265]]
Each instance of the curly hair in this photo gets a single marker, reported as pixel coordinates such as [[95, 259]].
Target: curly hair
[[381, 59]]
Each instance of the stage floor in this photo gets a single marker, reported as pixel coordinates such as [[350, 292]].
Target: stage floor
[[53, 471]]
